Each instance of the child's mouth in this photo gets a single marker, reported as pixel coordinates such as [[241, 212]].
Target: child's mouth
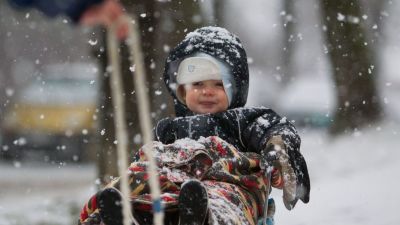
[[207, 103]]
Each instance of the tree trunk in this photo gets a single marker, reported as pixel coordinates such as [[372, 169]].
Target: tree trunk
[[288, 41], [219, 6], [179, 18], [374, 10], [7, 81], [353, 65]]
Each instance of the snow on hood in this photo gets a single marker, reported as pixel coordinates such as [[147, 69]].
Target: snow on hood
[[217, 42]]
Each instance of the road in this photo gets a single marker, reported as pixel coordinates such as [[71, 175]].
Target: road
[[35, 193]]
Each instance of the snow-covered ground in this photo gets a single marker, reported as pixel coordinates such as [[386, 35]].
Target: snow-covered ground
[[37, 194], [354, 180]]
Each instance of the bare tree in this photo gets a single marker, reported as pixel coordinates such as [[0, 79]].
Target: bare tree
[[353, 65]]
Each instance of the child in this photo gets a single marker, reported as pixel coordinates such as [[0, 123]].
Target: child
[[208, 157]]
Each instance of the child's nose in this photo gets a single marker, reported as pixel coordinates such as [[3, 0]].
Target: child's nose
[[208, 91]]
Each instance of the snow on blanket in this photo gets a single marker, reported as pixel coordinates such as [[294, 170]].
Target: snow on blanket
[[234, 181]]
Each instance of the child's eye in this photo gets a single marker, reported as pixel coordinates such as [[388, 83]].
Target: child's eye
[[219, 84], [197, 84]]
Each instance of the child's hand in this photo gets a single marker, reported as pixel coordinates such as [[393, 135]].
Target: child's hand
[[294, 185], [282, 164]]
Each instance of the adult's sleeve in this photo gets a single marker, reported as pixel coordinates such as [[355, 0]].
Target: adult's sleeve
[[71, 8]]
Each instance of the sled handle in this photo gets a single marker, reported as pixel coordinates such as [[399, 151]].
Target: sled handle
[[119, 120], [265, 209], [136, 57], [268, 161]]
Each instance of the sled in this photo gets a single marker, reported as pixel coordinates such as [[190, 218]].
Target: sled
[[133, 42]]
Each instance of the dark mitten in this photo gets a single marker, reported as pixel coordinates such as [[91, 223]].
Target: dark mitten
[[293, 168]]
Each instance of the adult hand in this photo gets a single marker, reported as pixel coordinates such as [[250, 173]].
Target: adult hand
[[108, 13]]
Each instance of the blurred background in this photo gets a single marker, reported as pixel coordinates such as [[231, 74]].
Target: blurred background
[[329, 66]]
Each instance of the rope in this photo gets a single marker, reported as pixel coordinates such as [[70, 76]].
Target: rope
[[137, 60], [145, 121], [120, 123]]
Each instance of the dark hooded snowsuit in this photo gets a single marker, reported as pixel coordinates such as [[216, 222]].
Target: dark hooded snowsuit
[[246, 129]]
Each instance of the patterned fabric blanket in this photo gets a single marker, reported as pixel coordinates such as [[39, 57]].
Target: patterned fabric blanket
[[235, 183]]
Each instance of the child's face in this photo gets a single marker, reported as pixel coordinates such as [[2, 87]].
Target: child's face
[[206, 97]]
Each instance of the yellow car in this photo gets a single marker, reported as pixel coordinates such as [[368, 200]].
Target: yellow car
[[55, 113]]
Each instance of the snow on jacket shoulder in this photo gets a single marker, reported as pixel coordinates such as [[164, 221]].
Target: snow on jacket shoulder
[[247, 128]]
